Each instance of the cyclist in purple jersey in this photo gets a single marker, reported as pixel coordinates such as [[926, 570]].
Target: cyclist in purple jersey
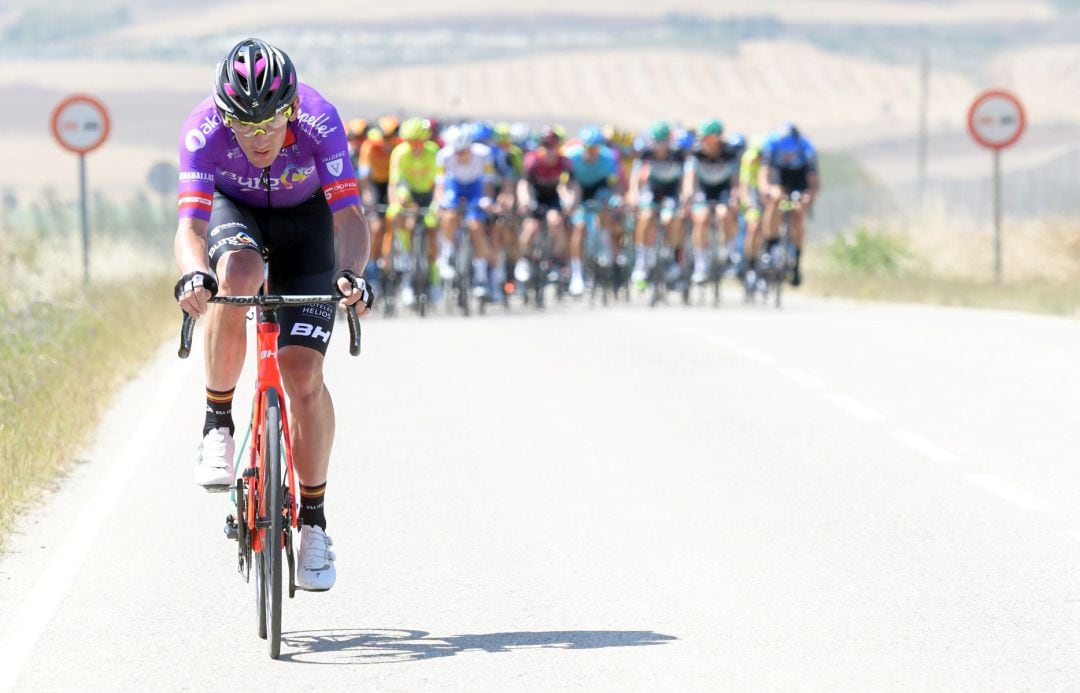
[[266, 183]]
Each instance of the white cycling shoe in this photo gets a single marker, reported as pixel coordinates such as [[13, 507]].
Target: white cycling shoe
[[522, 271], [446, 270], [214, 461], [577, 285], [315, 570]]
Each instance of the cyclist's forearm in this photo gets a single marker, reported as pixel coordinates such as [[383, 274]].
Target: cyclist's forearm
[[189, 246], [352, 237]]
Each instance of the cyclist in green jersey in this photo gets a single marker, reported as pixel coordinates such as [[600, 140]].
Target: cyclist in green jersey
[[412, 186]]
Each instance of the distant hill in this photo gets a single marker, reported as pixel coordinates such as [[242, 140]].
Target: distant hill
[[846, 70]]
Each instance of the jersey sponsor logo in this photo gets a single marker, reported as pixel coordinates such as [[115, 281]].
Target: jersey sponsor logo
[[336, 166], [318, 126], [341, 189], [288, 179], [241, 239], [197, 175], [227, 225], [195, 200], [295, 174], [195, 139], [304, 329], [321, 310]]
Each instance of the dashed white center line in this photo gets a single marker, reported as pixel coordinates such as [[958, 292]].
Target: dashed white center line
[[854, 407], [803, 378], [1010, 493], [722, 341], [927, 447], [756, 356]]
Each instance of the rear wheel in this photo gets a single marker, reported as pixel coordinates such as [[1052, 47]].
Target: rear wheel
[[268, 565]]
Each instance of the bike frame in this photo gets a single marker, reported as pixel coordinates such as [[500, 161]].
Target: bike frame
[[269, 376]]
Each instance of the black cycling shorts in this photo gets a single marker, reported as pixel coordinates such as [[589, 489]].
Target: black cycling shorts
[[297, 244], [790, 179], [380, 193], [546, 199]]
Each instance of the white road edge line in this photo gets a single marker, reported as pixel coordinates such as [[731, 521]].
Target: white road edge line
[[1010, 493], [854, 407], [927, 447], [803, 378], [48, 592], [756, 356]]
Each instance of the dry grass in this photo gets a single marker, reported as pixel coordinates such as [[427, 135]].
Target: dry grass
[[63, 353], [950, 262]]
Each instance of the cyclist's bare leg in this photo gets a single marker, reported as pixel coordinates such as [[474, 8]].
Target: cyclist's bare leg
[[752, 242], [643, 232], [675, 230], [240, 273], [529, 228], [728, 223], [772, 212], [311, 412], [478, 233], [377, 224], [700, 218], [560, 238]]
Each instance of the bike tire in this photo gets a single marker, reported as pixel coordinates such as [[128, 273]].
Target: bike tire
[[270, 556]]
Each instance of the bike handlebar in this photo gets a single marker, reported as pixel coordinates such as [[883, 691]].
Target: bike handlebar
[[273, 302]]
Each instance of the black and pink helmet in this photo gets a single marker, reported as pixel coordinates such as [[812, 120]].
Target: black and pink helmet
[[254, 81]]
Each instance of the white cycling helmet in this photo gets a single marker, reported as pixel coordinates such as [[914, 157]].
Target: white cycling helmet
[[463, 139]]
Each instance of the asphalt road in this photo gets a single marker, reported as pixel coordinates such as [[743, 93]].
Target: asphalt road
[[836, 496]]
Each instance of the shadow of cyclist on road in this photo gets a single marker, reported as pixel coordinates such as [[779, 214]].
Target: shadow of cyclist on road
[[379, 646]]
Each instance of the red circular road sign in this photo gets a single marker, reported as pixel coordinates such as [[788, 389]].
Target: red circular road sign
[[996, 119], [80, 123]]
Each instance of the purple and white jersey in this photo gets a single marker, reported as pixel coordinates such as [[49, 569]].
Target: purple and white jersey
[[315, 154]]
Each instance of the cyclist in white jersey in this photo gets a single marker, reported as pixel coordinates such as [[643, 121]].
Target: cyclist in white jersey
[[465, 173]]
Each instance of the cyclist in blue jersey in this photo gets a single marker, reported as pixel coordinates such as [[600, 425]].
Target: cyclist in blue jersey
[[789, 165], [596, 169]]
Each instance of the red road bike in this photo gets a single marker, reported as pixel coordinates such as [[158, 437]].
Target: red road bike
[[265, 494]]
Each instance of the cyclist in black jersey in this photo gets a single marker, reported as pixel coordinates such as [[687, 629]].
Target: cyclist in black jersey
[[655, 188]]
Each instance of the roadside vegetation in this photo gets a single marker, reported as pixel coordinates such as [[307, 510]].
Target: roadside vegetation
[[65, 347], [950, 262]]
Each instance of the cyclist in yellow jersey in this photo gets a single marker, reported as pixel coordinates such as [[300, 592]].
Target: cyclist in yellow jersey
[[412, 186], [750, 195]]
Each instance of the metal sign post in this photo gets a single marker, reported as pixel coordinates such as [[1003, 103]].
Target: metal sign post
[[996, 120], [80, 124]]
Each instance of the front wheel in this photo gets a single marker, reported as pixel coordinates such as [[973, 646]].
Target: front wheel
[[270, 518]]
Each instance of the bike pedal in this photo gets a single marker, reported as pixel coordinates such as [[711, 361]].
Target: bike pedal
[[220, 488], [230, 528]]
